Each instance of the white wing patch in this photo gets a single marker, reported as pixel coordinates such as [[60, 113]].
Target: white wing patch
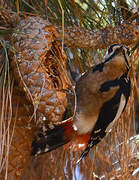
[[119, 112]]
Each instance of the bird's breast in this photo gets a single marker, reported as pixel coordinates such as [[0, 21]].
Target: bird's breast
[[84, 124]]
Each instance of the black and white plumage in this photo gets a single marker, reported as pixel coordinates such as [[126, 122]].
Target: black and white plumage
[[102, 94], [109, 113]]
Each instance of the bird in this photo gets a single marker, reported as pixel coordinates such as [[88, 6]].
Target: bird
[[101, 94]]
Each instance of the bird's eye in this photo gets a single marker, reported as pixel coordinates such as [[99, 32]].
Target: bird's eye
[[110, 50]]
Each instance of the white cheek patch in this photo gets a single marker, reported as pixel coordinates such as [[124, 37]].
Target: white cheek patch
[[119, 112]]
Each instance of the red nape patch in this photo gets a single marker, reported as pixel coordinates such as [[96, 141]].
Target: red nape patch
[[79, 142]]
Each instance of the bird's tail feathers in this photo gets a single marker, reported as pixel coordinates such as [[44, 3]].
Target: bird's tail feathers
[[84, 153], [52, 136]]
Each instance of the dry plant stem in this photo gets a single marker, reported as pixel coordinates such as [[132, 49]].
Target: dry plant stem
[[127, 34], [5, 136], [133, 92]]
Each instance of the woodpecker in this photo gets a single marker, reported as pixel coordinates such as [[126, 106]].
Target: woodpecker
[[102, 94]]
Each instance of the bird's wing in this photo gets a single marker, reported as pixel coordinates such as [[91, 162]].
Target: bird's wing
[[109, 112]]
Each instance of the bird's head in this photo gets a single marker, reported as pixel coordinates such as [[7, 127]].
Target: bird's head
[[118, 50]]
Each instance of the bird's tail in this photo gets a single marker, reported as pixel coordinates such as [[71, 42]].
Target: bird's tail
[[52, 136]]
